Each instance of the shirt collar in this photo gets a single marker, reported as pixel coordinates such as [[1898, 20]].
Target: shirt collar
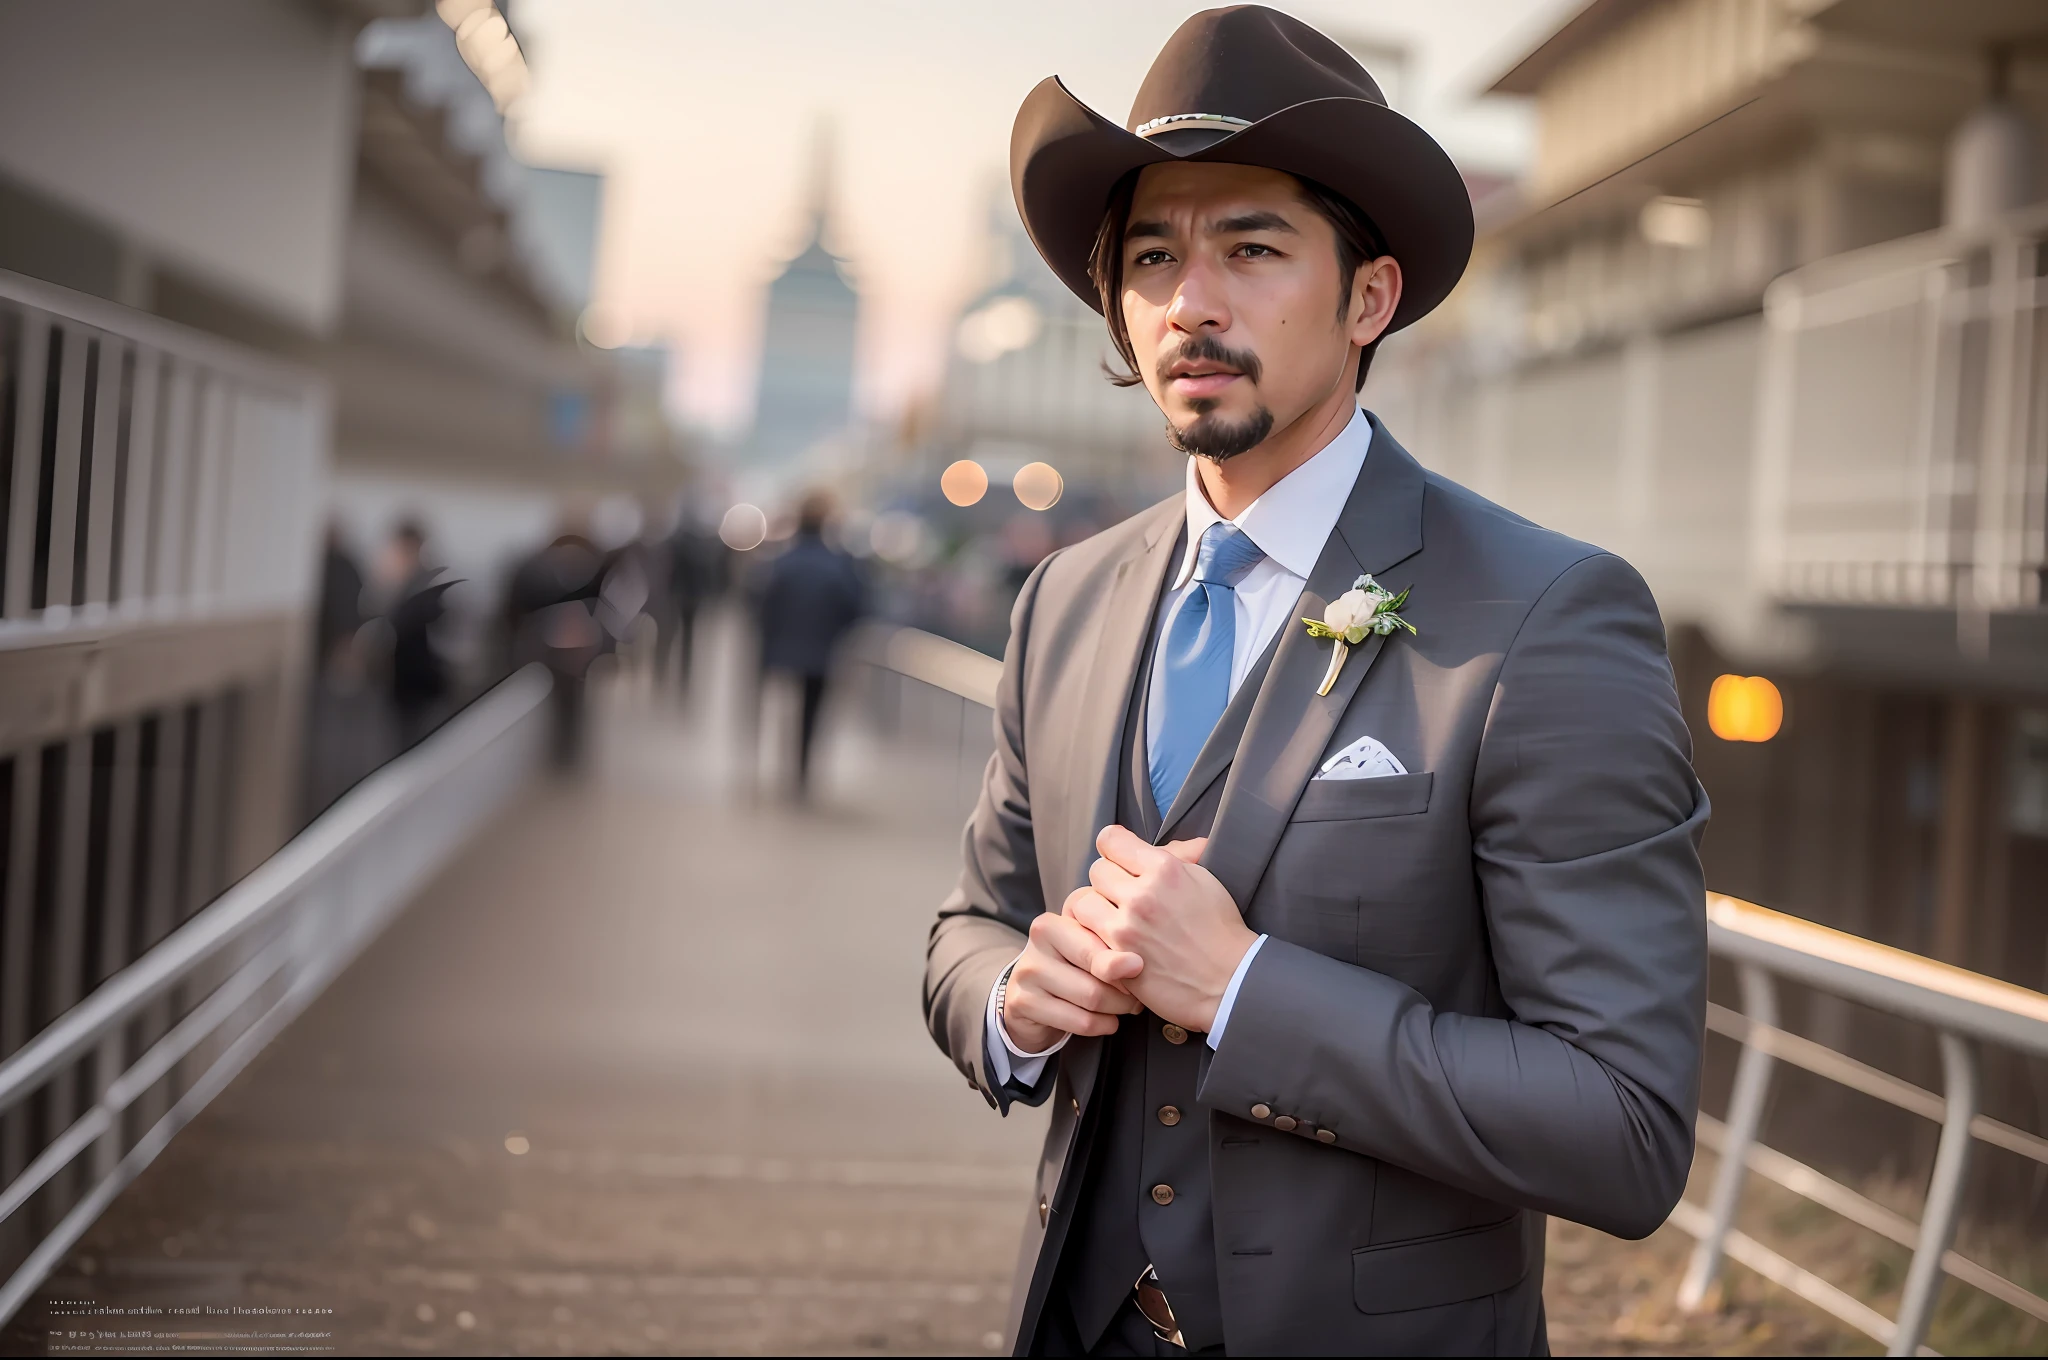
[[1294, 518]]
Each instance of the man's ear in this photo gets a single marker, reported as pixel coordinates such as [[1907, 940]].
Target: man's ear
[[1375, 296]]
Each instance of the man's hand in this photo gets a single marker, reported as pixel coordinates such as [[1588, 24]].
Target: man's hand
[[1066, 982], [1174, 936]]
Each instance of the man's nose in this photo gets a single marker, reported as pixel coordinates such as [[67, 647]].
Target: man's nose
[[1200, 303]]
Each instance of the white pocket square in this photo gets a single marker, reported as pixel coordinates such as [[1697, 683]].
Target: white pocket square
[[1366, 758]]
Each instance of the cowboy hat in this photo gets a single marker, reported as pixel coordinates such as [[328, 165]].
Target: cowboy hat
[[1245, 85]]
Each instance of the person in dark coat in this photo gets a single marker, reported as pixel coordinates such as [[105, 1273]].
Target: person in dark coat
[[551, 607], [813, 594], [696, 575], [341, 600], [420, 682]]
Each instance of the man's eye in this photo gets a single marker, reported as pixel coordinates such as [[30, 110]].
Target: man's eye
[[1252, 250], [1152, 257]]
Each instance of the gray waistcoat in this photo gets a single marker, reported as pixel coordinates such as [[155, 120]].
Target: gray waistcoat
[[1133, 1152]]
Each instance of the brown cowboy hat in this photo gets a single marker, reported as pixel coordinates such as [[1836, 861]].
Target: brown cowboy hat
[[1245, 86]]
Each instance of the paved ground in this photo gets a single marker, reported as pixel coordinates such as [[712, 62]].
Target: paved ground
[[633, 1077]]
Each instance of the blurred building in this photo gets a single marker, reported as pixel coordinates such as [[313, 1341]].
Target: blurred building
[[805, 390], [465, 393], [260, 260], [1765, 317]]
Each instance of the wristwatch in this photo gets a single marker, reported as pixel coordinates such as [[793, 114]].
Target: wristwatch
[[1003, 989]]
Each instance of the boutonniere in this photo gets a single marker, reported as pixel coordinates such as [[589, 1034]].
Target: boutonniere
[[1367, 608]]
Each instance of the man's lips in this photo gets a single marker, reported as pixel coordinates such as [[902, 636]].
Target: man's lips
[[1203, 382]]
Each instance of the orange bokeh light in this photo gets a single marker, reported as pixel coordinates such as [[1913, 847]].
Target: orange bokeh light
[[1745, 708], [964, 482], [1038, 486]]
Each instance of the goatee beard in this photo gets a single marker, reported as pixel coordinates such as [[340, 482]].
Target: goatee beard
[[1216, 439]]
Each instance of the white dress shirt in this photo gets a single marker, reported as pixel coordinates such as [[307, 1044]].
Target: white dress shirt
[[1289, 523]]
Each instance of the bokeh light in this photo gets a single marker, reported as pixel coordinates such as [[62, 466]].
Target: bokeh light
[[964, 482], [1745, 708], [743, 528], [1038, 486], [898, 537]]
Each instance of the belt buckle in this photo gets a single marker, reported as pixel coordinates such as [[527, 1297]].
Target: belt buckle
[[1154, 1308]]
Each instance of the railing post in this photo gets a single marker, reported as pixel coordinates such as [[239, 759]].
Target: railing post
[[1745, 1121], [1944, 1195]]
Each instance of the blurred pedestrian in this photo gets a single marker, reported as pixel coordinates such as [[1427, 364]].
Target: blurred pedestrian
[[349, 725], [551, 609], [341, 605], [813, 593], [696, 575], [421, 686]]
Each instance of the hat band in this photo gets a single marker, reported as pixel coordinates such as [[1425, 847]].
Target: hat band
[[1186, 122]]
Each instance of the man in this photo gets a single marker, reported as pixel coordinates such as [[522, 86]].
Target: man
[[421, 688], [1340, 970], [551, 606], [813, 594]]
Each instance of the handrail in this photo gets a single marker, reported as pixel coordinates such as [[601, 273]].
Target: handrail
[[181, 474], [184, 341], [931, 659], [239, 910], [285, 931], [1924, 989], [1962, 1007]]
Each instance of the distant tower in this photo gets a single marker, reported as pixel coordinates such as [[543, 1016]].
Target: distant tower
[[806, 383]]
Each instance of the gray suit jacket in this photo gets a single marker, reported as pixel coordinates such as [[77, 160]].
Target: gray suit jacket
[[1483, 995]]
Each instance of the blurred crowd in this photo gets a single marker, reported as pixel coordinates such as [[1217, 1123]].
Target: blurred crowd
[[402, 642], [403, 639]]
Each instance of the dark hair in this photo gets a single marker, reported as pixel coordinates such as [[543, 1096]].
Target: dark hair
[[813, 512], [1358, 241]]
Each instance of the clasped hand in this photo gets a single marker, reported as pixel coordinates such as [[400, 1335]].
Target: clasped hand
[[1153, 930]]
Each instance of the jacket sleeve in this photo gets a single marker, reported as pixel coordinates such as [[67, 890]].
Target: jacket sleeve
[[1586, 821], [982, 922]]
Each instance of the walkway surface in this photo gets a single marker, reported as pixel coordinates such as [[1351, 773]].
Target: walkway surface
[[635, 1077]]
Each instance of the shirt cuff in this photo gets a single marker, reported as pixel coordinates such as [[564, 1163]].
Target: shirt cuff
[[1230, 993], [1006, 1061]]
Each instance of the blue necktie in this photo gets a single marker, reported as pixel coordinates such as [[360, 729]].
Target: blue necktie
[[1196, 655]]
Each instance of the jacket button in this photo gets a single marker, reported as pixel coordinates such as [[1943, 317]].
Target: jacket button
[[1075, 1101], [1162, 1194], [1174, 1034], [1285, 1123], [1325, 1136], [1168, 1115], [1262, 1111], [1043, 1211]]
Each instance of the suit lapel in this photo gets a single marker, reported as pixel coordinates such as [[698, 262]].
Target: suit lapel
[[1099, 727], [1289, 724]]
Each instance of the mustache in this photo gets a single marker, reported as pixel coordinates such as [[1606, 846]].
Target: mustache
[[1201, 348]]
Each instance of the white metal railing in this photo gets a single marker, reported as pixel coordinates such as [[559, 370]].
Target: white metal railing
[[1902, 447], [153, 472], [256, 956], [1964, 1009]]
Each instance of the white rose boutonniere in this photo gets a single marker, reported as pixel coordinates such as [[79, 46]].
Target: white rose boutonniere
[[1367, 608]]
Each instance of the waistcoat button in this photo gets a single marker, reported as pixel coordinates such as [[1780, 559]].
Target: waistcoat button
[[1325, 1136], [1262, 1111], [1285, 1123], [1162, 1194], [1174, 1034], [1043, 1211], [1168, 1115]]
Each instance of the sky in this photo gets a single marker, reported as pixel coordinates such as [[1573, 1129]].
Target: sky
[[703, 117]]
